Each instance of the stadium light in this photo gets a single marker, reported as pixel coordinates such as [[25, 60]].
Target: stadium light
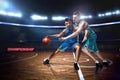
[[58, 18], [90, 16], [101, 15], [3, 13], [117, 12], [13, 14], [4, 4], [86, 17], [108, 13], [38, 17]]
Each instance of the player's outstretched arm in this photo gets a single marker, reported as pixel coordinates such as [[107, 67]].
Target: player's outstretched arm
[[82, 26], [57, 35]]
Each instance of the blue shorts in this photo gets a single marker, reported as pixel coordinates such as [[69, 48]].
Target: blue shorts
[[65, 45]]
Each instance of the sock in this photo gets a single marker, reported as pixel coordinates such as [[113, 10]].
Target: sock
[[96, 61], [104, 60], [75, 62]]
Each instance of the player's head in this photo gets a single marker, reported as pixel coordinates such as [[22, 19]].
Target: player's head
[[76, 16], [68, 22]]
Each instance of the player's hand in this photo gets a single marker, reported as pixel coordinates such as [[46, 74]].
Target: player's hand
[[83, 42], [62, 38], [47, 36]]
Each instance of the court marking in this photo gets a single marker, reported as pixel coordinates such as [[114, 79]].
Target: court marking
[[19, 60], [85, 60], [111, 62], [64, 65], [80, 74]]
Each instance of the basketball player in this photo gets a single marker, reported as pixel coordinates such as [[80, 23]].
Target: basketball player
[[89, 41], [72, 42]]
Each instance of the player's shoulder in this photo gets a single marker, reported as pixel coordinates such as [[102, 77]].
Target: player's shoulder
[[65, 29], [83, 21]]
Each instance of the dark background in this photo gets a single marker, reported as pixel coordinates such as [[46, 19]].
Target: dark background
[[108, 37], [62, 7]]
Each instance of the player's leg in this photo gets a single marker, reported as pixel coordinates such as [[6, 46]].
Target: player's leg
[[77, 48], [47, 60], [54, 53], [84, 49], [76, 55], [64, 46], [105, 62], [97, 63]]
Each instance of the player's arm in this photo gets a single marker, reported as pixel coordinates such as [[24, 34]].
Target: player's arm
[[85, 36], [81, 26], [62, 33]]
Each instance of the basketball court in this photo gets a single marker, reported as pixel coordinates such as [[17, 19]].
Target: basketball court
[[29, 66]]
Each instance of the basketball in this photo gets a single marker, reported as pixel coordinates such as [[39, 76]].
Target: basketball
[[46, 41]]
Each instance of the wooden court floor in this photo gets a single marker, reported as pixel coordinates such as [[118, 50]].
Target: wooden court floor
[[29, 66]]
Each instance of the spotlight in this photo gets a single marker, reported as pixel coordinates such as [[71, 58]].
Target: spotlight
[[38, 17], [58, 18]]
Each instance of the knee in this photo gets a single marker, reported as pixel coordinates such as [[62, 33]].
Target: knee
[[83, 49], [56, 52], [77, 47]]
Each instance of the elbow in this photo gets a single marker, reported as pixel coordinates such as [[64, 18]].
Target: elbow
[[77, 33], [58, 36]]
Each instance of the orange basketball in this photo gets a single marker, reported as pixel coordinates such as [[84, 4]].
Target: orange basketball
[[46, 41]]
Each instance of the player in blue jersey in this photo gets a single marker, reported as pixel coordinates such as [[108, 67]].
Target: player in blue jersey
[[72, 42]]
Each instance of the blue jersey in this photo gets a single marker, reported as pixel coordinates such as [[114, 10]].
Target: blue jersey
[[69, 32], [69, 42]]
